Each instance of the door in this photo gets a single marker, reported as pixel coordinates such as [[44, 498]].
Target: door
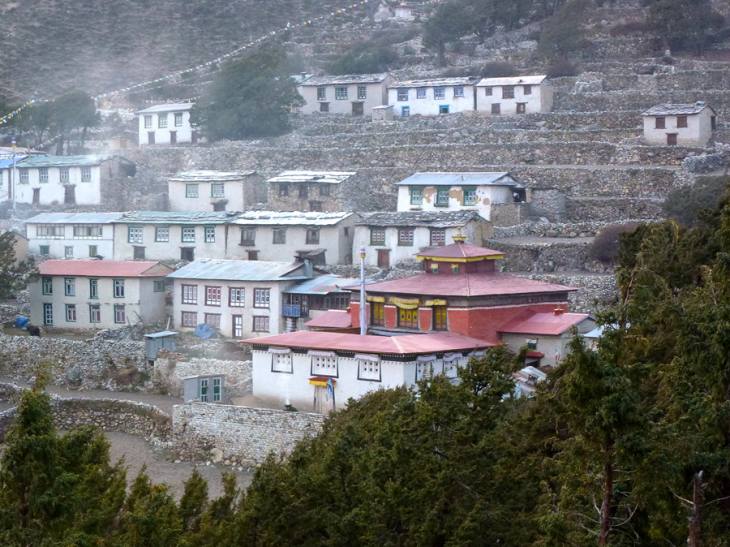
[[173, 137], [383, 258], [194, 137], [69, 195], [36, 196], [48, 314], [238, 326], [150, 137], [324, 399], [358, 109], [672, 139]]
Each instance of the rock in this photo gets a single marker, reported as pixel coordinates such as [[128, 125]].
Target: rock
[[216, 455]]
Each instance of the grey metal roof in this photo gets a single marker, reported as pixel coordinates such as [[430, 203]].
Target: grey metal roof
[[204, 175], [296, 218], [324, 284], [469, 178], [435, 219], [74, 218], [669, 109], [177, 217], [161, 334], [513, 80], [63, 161], [346, 79], [241, 270], [433, 82], [328, 177], [166, 107]]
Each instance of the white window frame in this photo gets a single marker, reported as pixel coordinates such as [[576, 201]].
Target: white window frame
[[162, 120], [281, 361], [48, 314], [217, 190], [118, 285], [262, 298], [236, 297], [135, 233], [213, 295], [192, 190], [162, 234], [209, 234], [323, 364], [187, 234], [368, 368], [189, 294], [68, 251], [148, 121], [178, 119]]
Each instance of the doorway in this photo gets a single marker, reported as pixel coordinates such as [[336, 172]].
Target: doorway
[[69, 195], [173, 137], [358, 109], [671, 139], [150, 137], [36, 196], [383, 258]]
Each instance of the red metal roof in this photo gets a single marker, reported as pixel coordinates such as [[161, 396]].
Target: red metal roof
[[460, 250], [331, 319], [544, 323], [104, 268], [464, 284], [407, 344]]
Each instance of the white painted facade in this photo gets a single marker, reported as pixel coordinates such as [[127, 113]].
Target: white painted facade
[[209, 191], [431, 97], [697, 130], [354, 95], [514, 95], [165, 241], [165, 124], [71, 235], [27, 183]]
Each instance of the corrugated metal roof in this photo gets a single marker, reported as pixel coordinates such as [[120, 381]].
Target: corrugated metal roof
[[296, 218], [434, 82], [331, 319], [204, 175], [7, 163], [74, 218], [167, 107], [103, 268], [460, 250], [64, 161], [435, 219], [240, 270], [513, 80], [345, 79], [669, 109], [177, 217], [328, 177], [544, 323], [324, 284], [473, 178]]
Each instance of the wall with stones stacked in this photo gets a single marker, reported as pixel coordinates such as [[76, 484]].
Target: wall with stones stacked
[[170, 369]]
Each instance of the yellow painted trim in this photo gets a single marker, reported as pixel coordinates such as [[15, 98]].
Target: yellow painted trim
[[435, 302], [404, 303], [375, 298], [473, 259]]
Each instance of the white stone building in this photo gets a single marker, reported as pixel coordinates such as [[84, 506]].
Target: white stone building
[[96, 294], [206, 190], [166, 124], [239, 298], [324, 238], [514, 95], [168, 235], [72, 235], [390, 238], [679, 124], [455, 191], [431, 97], [307, 190], [353, 94]]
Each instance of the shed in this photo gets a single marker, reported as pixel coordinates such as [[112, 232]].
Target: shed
[[206, 389], [156, 341]]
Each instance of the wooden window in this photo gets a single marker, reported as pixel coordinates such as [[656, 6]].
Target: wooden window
[[68, 251], [315, 205], [439, 92], [70, 313], [134, 233], [521, 108], [212, 296], [488, 91], [408, 319], [148, 121], [69, 286], [438, 237], [209, 234], [189, 294], [442, 196], [178, 119], [158, 285], [324, 107], [86, 174], [162, 234], [238, 326], [162, 121], [470, 195], [508, 92], [120, 315], [24, 177], [118, 288], [87, 231], [303, 191], [187, 253], [236, 297], [377, 236], [660, 122], [341, 93], [402, 94], [527, 90], [443, 109], [260, 323], [213, 320], [248, 236], [138, 252], [458, 91], [44, 250], [713, 122], [416, 195], [405, 237], [405, 111], [43, 174], [94, 313], [278, 236], [672, 139], [681, 121], [187, 234], [217, 190], [189, 319], [496, 109], [421, 92], [47, 285], [313, 236], [64, 174], [439, 318], [261, 298], [283, 189], [377, 314], [191, 190], [321, 93], [47, 314], [93, 289], [252, 255], [362, 92]]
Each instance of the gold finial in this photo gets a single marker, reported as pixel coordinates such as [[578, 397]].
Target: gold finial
[[459, 237]]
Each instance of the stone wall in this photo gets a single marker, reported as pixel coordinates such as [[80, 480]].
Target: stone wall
[[237, 435], [170, 369]]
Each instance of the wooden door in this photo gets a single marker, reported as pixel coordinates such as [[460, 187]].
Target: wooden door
[[36, 196], [69, 195], [173, 137], [672, 139], [238, 326], [150, 137], [358, 109], [383, 258]]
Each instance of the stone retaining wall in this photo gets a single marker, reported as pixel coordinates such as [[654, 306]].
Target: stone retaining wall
[[169, 371]]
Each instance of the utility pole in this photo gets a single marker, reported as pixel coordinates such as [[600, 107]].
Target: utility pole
[[11, 182], [363, 321], [694, 538]]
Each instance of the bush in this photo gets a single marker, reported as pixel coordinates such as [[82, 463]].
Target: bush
[[632, 27], [498, 69], [688, 205], [363, 59], [605, 246], [563, 34], [560, 68]]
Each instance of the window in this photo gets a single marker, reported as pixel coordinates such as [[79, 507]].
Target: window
[[252, 255], [442, 196], [660, 122], [531, 343], [189, 319], [455, 269], [191, 190], [362, 92], [281, 362], [261, 298], [439, 318], [178, 119], [86, 174], [377, 314], [236, 297], [94, 313], [315, 205], [303, 191], [216, 389], [681, 121], [527, 90], [138, 252], [521, 108], [24, 177], [405, 111], [213, 320], [341, 93], [120, 316], [488, 91], [283, 189], [134, 233], [313, 236], [470, 195], [47, 314], [162, 233], [43, 174], [416, 193], [50, 231], [279, 236], [212, 296], [324, 365], [672, 139], [496, 109], [443, 109], [324, 107], [87, 231], [209, 234], [248, 235], [187, 234], [424, 370], [70, 313], [118, 288], [377, 236], [189, 294], [321, 93], [458, 91], [68, 251], [260, 323], [47, 285], [217, 190], [408, 319], [69, 286], [203, 390], [402, 94], [187, 253], [93, 289], [508, 92], [147, 121], [713, 122], [44, 250], [438, 237], [162, 121], [439, 92], [421, 92], [158, 285], [237, 326], [405, 237], [63, 172], [368, 370]]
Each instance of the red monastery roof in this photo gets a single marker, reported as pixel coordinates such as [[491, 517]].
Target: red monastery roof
[[331, 319], [460, 251], [408, 344], [544, 323], [104, 268]]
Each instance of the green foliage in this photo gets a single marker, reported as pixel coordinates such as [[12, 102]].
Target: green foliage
[[562, 34], [364, 58], [251, 97], [498, 69], [34, 121], [605, 246], [560, 68], [14, 274], [689, 206], [71, 111], [684, 24]]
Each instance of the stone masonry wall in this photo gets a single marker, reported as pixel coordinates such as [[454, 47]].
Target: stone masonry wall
[[169, 372]]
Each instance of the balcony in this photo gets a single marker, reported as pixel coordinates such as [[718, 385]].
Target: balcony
[[292, 310]]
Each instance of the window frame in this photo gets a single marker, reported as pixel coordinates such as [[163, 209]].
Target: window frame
[[439, 92], [120, 314], [377, 314], [185, 234], [248, 242], [46, 285], [260, 318], [94, 313], [373, 230], [162, 120], [276, 366], [118, 287], [70, 310], [440, 317], [210, 295], [214, 187], [341, 93], [401, 95], [177, 119], [189, 294], [43, 175], [135, 229], [459, 92], [415, 195], [192, 190], [278, 236], [69, 286], [85, 174], [362, 92], [682, 121], [321, 92], [93, 288], [471, 192], [421, 92], [64, 175], [263, 291], [373, 375], [440, 192], [508, 92], [439, 241], [238, 302], [407, 319], [312, 236], [188, 314], [209, 233], [406, 236], [159, 231]]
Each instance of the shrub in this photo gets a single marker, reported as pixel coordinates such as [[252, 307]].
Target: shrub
[[364, 58], [498, 69], [563, 34], [605, 246], [560, 68], [687, 205], [631, 27]]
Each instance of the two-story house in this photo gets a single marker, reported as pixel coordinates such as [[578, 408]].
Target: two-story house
[[354, 94], [72, 235], [679, 124], [324, 238], [206, 190], [431, 97], [96, 294], [307, 191], [471, 191], [166, 124], [514, 95]]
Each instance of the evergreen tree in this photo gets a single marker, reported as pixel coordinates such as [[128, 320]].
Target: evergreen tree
[[69, 112], [14, 274], [685, 24]]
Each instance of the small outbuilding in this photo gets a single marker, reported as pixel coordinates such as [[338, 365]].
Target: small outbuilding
[[679, 124]]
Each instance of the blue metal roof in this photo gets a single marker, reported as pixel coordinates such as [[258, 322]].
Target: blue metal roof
[[242, 270], [64, 161], [6, 163], [324, 284]]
